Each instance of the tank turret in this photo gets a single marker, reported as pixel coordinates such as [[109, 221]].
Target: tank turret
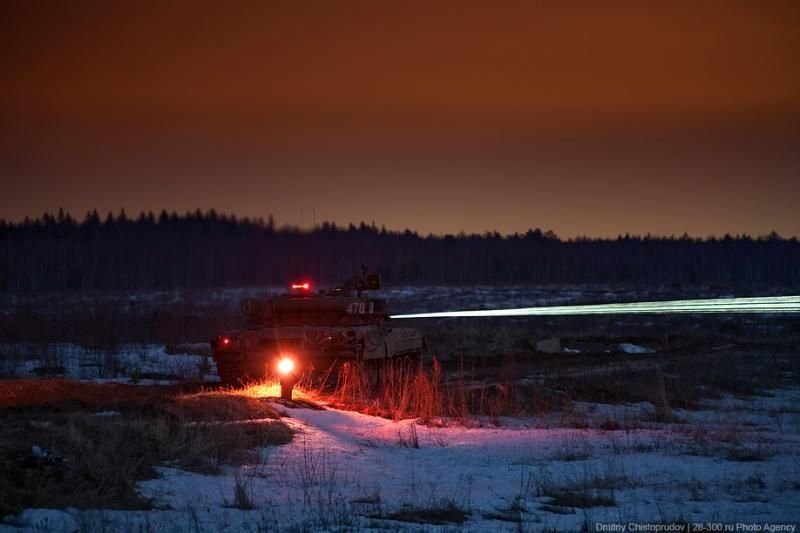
[[344, 305]]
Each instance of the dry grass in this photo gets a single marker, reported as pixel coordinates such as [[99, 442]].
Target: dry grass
[[43, 392], [730, 442], [407, 390], [447, 512], [590, 489], [221, 405], [80, 451], [242, 494], [463, 392], [411, 390]]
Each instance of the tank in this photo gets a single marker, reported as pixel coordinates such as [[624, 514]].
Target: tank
[[303, 333]]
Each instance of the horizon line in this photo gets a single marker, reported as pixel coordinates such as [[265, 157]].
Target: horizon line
[[269, 220]]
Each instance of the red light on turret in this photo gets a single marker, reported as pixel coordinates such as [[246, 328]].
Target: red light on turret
[[305, 286]]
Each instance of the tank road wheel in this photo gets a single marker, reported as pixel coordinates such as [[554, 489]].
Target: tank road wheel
[[374, 373], [228, 372], [327, 373], [236, 373], [255, 369], [413, 363], [404, 368]]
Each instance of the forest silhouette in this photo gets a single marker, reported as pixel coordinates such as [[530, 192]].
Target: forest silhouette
[[210, 250]]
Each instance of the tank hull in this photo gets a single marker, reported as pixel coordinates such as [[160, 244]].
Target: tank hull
[[253, 353]]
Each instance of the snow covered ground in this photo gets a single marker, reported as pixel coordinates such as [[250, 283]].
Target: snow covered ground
[[129, 363], [634, 348], [732, 461]]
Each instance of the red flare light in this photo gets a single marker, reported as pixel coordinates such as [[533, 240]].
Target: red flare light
[[225, 341], [305, 286], [285, 366]]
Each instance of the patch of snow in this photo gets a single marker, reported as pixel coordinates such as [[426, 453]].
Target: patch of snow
[[41, 453], [634, 348], [129, 363]]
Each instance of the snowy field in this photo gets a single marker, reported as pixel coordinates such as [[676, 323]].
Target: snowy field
[[145, 364], [726, 451], [731, 461]]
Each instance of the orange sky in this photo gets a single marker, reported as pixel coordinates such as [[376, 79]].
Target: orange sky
[[590, 118]]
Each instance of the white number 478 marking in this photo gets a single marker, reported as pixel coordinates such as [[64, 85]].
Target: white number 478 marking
[[360, 308]]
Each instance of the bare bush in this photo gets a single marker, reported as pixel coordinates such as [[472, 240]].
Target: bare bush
[[242, 493], [442, 513], [575, 447], [412, 440]]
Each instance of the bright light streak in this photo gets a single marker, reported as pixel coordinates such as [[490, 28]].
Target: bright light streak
[[765, 304]]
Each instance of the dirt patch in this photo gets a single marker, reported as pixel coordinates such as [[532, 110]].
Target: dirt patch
[[446, 513], [215, 406], [42, 392], [69, 444]]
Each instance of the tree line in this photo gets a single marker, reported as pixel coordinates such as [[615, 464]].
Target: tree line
[[209, 249]]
